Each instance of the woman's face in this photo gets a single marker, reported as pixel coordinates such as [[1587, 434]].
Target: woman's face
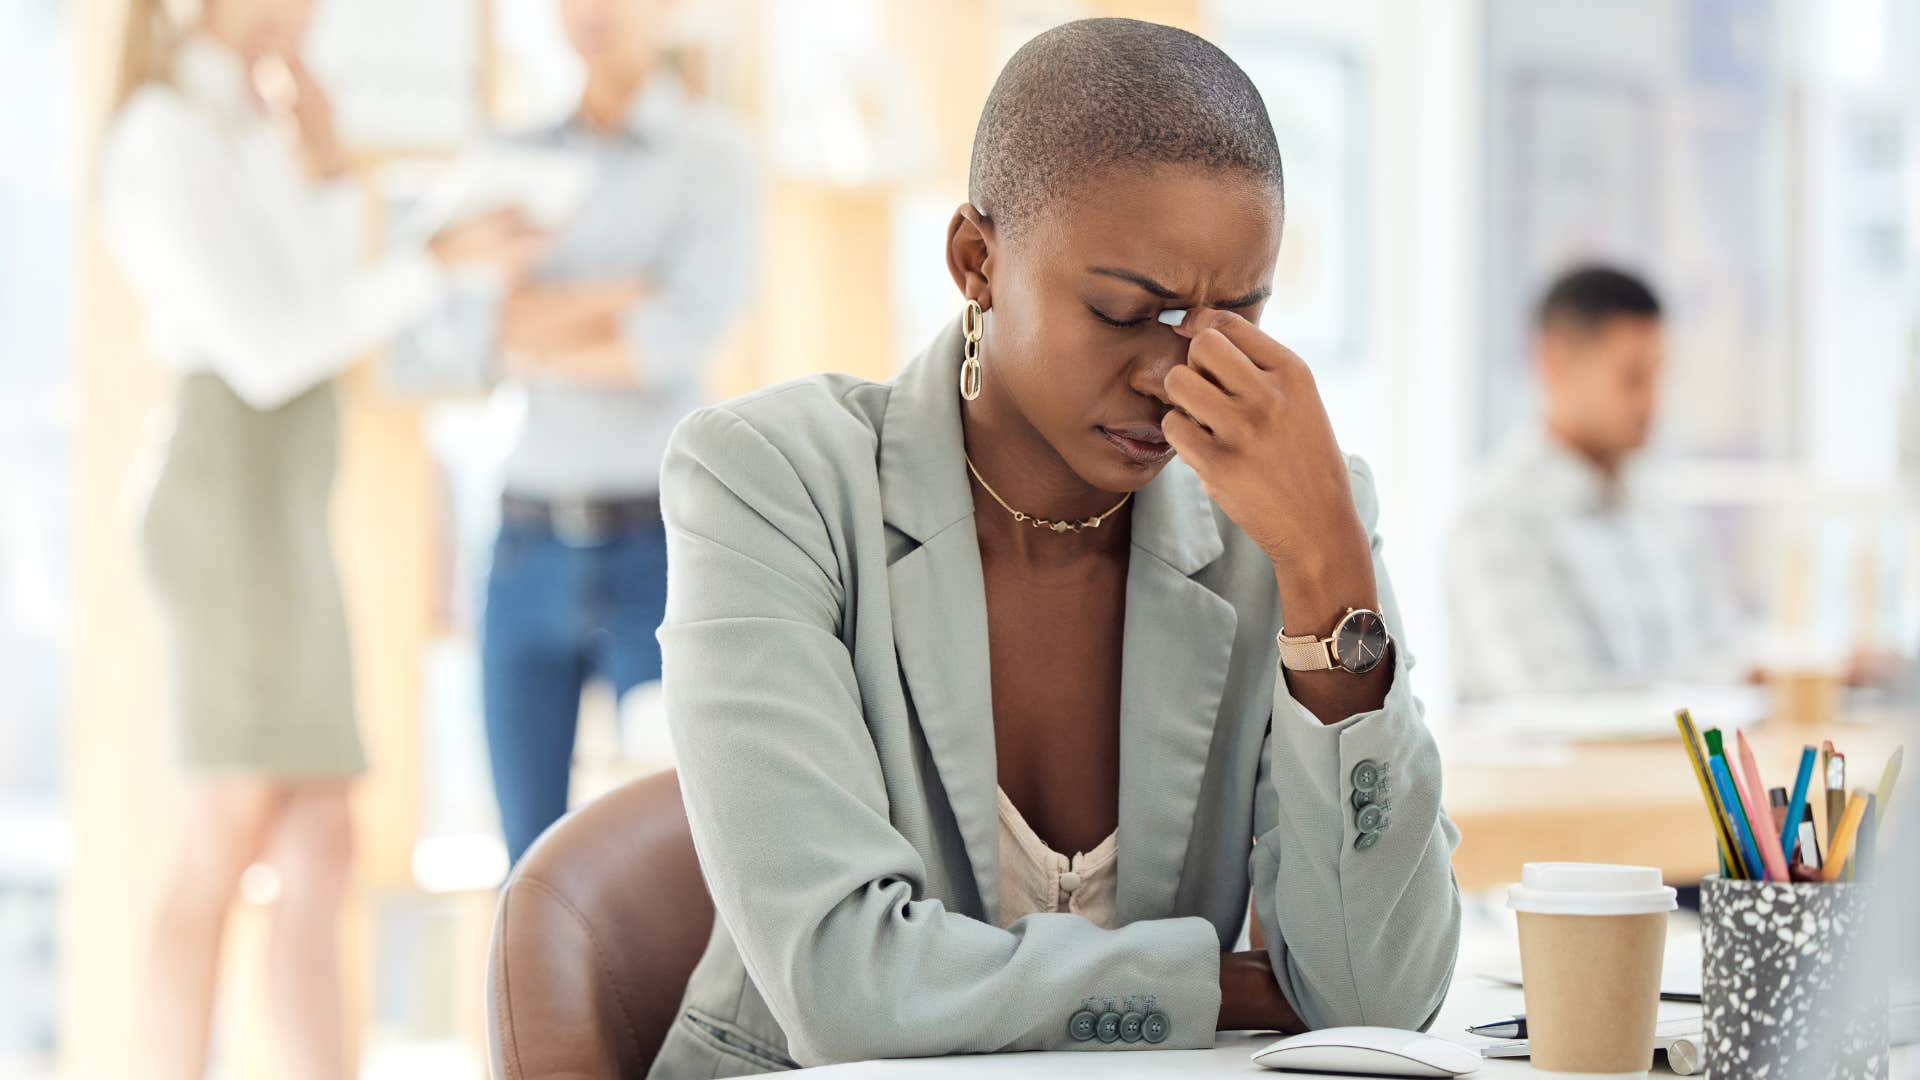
[[1071, 340], [257, 28], [615, 33]]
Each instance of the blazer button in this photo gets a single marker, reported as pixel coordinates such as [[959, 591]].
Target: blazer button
[[1109, 1027], [1367, 839], [1082, 1026], [1154, 1027], [1369, 818], [1367, 774], [1130, 1027]]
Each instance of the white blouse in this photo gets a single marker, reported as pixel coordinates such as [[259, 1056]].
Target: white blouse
[[1034, 877], [244, 266]]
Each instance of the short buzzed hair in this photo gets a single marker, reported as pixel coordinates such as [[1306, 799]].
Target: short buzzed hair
[[1584, 298], [1104, 93]]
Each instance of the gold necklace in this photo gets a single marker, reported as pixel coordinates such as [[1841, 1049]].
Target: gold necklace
[[1040, 522]]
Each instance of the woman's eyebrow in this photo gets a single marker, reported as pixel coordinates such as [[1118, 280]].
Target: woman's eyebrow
[[1165, 293]]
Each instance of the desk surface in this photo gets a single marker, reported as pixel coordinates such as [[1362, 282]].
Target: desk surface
[[1486, 945]]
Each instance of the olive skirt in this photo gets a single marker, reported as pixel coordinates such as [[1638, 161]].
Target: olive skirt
[[235, 540]]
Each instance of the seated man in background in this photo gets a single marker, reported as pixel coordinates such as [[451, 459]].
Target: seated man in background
[[1559, 577]]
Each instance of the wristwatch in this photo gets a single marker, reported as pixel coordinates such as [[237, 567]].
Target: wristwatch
[[1358, 644]]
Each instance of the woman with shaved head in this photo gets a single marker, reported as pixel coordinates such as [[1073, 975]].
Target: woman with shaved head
[[999, 688]]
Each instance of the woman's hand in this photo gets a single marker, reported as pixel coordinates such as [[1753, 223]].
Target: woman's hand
[[289, 91], [1251, 424], [501, 241]]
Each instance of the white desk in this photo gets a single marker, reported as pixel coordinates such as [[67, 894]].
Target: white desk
[[1486, 945]]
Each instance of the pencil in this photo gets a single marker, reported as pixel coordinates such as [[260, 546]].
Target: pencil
[[1759, 814], [1888, 778], [1723, 779], [1842, 848], [1729, 861]]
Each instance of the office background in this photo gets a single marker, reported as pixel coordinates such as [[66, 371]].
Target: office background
[[1758, 159]]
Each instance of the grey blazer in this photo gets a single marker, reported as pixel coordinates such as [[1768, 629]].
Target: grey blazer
[[827, 689]]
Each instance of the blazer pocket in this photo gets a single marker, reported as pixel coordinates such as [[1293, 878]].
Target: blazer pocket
[[730, 1040]]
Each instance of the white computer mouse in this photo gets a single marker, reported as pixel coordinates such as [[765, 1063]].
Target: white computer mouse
[[1368, 1051]]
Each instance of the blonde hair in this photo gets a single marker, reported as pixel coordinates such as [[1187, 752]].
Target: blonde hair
[[147, 45]]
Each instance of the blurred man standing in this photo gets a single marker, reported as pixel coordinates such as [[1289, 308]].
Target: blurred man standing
[[1560, 578], [609, 344]]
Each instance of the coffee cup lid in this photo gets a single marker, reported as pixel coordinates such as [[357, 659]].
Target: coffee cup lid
[[1590, 889]]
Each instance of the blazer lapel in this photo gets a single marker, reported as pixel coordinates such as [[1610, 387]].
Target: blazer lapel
[[938, 598], [1178, 643]]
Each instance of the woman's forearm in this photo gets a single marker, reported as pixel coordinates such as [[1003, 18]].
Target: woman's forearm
[[1250, 998]]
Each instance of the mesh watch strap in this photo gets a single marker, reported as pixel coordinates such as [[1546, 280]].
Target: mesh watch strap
[[1307, 653]]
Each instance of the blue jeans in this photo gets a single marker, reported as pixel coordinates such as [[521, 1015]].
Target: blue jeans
[[557, 615]]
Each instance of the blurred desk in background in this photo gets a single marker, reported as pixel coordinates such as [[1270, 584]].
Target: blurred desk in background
[[1517, 800]]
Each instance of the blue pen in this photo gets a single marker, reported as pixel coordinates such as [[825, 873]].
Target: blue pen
[[1797, 804], [1730, 795]]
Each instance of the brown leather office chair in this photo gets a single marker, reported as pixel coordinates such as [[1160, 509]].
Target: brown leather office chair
[[597, 931]]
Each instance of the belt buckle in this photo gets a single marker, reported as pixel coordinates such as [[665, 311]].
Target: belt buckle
[[578, 523]]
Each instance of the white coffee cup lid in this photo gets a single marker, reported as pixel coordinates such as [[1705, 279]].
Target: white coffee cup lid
[[1590, 889]]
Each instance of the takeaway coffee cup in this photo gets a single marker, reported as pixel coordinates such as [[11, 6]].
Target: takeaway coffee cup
[[1591, 940]]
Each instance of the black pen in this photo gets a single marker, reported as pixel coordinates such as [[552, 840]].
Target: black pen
[[1513, 1027]]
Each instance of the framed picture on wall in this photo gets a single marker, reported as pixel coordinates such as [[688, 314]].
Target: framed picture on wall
[[1317, 97]]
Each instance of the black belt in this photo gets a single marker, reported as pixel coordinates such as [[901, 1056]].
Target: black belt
[[584, 520]]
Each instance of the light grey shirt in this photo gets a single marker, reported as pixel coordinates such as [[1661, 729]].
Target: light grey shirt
[[1558, 582], [674, 203]]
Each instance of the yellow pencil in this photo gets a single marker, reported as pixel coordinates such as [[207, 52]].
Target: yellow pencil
[[1842, 848], [1684, 721], [1887, 779]]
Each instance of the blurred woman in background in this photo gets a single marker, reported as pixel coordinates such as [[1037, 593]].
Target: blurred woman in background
[[223, 194]]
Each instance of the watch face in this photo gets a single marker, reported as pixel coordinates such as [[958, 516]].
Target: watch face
[[1361, 642]]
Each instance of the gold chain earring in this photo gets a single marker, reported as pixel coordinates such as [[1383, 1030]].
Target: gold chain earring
[[970, 321]]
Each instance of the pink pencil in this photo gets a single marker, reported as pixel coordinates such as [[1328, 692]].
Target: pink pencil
[[1771, 856]]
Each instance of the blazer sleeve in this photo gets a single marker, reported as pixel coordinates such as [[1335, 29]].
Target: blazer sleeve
[[1362, 926], [825, 898]]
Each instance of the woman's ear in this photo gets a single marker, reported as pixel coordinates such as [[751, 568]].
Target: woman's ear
[[970, 247]]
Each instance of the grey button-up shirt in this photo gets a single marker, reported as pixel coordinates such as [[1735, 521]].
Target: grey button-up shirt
[[674, 203], [1558, 583]]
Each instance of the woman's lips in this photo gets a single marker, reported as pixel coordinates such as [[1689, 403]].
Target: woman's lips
[[1142, 446]]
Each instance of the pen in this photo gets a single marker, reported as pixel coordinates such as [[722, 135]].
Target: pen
[[1798, 804], [1842, 846], [1759, 818], [1512, 1027], [1723, 779], [1777, 803]]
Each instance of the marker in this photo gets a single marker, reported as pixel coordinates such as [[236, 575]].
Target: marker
[[1173, 316]]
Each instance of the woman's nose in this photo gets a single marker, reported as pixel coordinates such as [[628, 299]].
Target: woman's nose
[[1149, 373]]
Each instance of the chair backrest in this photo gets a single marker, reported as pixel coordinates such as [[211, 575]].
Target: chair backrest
[[597, 931]]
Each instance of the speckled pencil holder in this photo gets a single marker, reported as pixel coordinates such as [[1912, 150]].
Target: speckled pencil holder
[[1777, 989]]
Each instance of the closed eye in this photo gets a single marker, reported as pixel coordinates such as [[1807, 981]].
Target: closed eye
[[1111, 321]]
